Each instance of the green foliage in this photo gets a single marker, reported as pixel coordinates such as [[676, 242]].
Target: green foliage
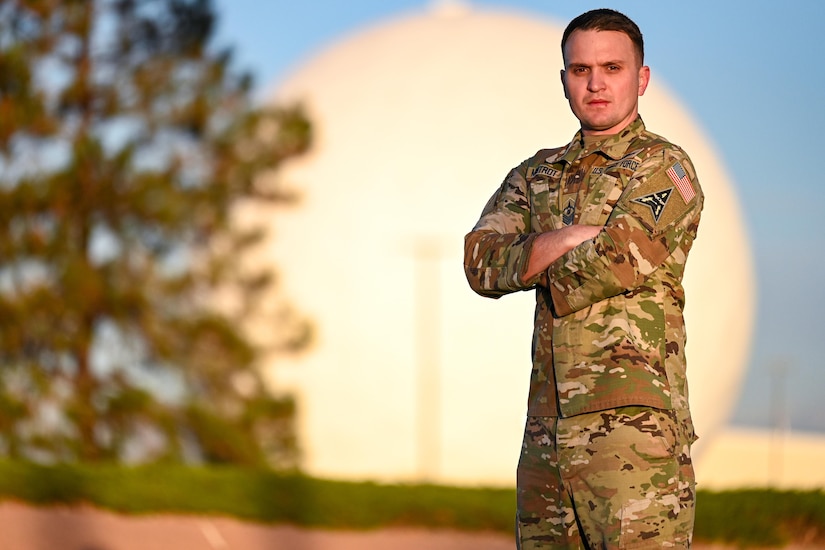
[[761, 517], [744, 518], [263, 496], [127, 144]]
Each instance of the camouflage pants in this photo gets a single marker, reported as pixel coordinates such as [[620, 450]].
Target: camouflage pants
[[621, 478]]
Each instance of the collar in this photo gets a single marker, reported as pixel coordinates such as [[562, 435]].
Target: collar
[[613, 146]]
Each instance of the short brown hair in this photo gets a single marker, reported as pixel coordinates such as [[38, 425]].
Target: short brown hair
[[607, 20]]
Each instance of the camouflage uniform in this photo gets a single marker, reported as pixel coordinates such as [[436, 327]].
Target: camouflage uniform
[[609, 333]]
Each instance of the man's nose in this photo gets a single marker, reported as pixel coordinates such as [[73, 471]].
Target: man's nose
[[596, 81]]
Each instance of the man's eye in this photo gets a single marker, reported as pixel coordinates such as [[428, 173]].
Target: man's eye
[[613, 68]]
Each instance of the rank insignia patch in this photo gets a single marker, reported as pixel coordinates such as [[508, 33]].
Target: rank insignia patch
[[656, 202], [569, 212]]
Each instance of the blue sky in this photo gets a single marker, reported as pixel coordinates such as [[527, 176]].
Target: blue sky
[[748, 71]]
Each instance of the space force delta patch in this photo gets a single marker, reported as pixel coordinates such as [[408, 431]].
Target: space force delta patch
[[656, 202]]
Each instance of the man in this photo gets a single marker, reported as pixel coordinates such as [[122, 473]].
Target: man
[[601, 229]]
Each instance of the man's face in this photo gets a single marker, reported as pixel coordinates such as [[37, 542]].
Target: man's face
[[603, 80]]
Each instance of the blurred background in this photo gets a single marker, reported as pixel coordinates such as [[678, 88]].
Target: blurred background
[[734, 82], [130, 162], [233, 239]]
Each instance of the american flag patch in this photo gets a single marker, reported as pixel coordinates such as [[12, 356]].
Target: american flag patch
[[678, 176]]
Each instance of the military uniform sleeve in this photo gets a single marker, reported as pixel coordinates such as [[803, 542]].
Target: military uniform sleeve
[[497, 249], [652, 227]]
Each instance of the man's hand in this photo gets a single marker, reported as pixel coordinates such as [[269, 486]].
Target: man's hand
[[550, 246]]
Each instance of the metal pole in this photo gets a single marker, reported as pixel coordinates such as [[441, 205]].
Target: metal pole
[[781, 421], [428, 356]]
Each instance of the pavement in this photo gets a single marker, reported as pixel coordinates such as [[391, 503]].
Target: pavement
[[25, 527]]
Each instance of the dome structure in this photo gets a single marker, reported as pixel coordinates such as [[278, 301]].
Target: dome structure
[[417, 121]]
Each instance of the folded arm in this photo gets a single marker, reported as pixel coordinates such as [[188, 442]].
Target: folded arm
[[653, 224], [497, 249], [552, 245]]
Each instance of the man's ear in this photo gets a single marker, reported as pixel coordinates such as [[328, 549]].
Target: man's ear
[[644, 79], [564, 84]]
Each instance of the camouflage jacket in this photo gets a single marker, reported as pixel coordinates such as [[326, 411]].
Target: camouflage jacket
[[609, 329]]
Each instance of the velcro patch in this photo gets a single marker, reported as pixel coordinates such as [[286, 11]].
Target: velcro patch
[[544, 170], [677, 175], [655, 203]]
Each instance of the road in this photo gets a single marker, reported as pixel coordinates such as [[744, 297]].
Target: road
[[23, 527]]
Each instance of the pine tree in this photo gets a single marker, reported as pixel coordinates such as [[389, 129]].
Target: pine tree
[[127, 143]]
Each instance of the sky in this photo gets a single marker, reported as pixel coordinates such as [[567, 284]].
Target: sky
[[748, 71]]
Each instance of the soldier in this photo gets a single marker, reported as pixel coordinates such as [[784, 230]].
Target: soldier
[[601, 229]]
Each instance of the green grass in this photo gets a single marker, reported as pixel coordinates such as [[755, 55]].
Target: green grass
[[259, 496], [761, 517], [745, 518]]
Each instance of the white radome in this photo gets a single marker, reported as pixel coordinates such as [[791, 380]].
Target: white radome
[[417, 121]]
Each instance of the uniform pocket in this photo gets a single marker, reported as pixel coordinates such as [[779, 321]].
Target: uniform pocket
[[657, 430], [604, 193], [543, 211]]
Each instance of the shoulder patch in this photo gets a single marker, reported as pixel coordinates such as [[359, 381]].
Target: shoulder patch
[[655, 203]]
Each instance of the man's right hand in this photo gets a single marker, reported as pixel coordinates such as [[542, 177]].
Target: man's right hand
[[552, 245]]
